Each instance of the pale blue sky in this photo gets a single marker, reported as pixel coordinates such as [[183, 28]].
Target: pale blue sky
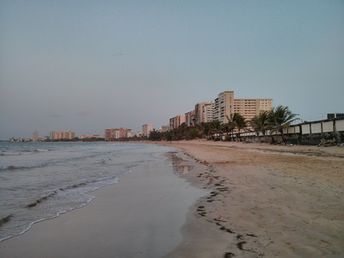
[[89, 65]]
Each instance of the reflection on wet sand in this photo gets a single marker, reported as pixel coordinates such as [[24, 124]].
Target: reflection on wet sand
[[179, 164]]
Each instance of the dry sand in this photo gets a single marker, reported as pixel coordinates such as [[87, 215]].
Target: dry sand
[[266, 201], [259, 201]]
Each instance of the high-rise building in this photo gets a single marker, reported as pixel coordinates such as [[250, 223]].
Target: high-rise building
[[190, 118], [249, 108], [177, 121], [223, 107], [146, 129], [203, 112], [117, 133], [62, 135]]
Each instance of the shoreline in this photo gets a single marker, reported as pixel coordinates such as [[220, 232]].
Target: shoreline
[[258, 200], [283, 201], [141, 216]]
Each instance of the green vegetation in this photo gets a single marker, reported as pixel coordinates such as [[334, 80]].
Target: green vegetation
[[275, 120], [281, 117], [260, 123]]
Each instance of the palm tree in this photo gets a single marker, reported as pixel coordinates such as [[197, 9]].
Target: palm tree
[[239, 122], [260, 122], [229, 126], [211, 128], [279, 118]]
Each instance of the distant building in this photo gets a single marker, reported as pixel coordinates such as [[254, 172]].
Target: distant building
[[130, 133], [177, 121], [222, 109], [223, 106], [117, 133], [91, 137], [190, 118], [62, 135], [35, 136], [146, 129], [203, 112], [249, 108]]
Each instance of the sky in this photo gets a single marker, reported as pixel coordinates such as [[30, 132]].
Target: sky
[[90, 65]]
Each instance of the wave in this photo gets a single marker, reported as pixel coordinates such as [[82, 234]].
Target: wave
[[12, 167], [75, 186], [41, 199], [29, 226], [58, 213], [107, 180], [40, 150], [66, 188], [10, 153], [5, 219], [23, 152], [55, 162]]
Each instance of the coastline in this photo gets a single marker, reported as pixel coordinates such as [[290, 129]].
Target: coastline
[[140, 216], [267, 200], [251, 200]]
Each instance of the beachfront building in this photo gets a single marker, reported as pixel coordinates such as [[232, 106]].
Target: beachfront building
[[62, 135], [190, 118], [204, 112], [147, 129], [117, 133], [249, 108], [223, 107], [177, 121]]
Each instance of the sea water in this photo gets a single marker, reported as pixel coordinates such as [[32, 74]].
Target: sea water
[[42, 180]]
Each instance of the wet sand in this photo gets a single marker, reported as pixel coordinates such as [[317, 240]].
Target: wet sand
[[141, 216], [266, 201], [253, 200]]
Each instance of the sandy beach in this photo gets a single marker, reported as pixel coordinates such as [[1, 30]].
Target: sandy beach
[[247, 200], [267, 201]]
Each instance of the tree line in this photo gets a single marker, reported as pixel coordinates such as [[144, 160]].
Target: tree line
[[275, 120]]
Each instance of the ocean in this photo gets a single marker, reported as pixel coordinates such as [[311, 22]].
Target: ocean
[[39, 181]]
